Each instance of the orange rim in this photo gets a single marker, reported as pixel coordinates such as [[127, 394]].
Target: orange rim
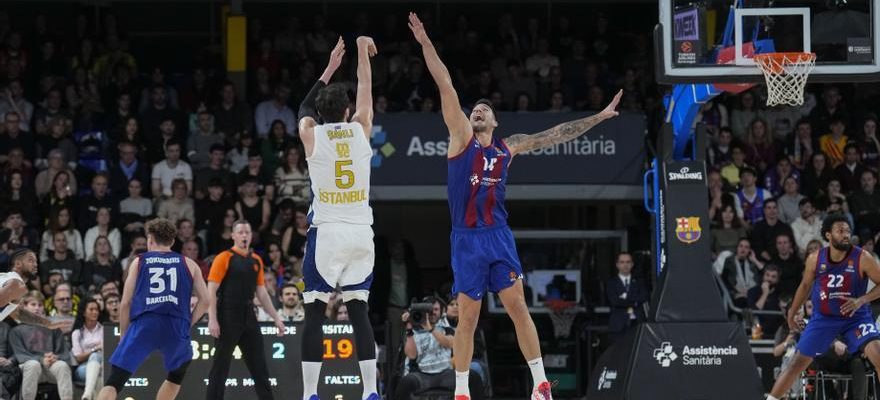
[[775, 61]]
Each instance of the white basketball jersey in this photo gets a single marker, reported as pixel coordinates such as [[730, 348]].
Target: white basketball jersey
[[339, 168], [9, 308]]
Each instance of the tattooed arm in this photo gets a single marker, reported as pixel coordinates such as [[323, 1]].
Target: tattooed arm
[[561, 133], [26, 317]]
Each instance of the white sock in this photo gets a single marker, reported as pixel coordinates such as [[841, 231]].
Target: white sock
[[537, 367], [770, 397], [461, 383], [311, 373], [368, 376]]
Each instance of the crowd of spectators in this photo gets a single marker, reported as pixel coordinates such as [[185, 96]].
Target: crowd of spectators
[[774, 175], [95, 140]]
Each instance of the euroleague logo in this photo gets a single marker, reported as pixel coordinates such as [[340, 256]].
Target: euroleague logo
[[687, 47]]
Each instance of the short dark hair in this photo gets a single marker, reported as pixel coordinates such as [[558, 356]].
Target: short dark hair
[[772, 267], [487, 103], [331, 102], [173, 142], [290, 285], [162, 230], [768, 201], [622, 253], [850, 146], [748, 170], [19, 254], [832, 219], [805, 200], [217, 147]]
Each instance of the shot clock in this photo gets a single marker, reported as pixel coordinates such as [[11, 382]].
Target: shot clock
[[340, 374]]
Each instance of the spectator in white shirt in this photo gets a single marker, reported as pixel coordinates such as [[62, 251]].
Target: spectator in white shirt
[[88, 346], [273, 109], [541, 62], [103, 228], [169, 169], [807, 227]]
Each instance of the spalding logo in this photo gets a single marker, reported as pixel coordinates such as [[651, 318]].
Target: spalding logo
[[685, 174]]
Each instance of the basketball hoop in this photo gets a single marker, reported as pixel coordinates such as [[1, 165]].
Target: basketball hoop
[[562, 313], [786, 75]]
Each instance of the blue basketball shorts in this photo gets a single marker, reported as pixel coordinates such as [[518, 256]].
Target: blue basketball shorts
[[820, 332], [150, 332], [483, 259]]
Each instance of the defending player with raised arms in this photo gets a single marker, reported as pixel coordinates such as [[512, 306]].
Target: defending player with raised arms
[[483, 251], [835, 279], [154, 313], [339, 243]]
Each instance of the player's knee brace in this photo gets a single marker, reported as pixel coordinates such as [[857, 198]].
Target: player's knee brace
[[117, 378], [363, 330], [313, 331], [176, 376]]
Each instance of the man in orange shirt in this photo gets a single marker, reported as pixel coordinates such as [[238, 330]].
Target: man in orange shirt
[[236, 275]]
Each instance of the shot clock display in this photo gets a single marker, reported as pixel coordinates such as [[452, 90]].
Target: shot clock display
[[340, 374]]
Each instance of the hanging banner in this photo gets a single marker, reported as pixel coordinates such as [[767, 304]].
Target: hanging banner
[[410, 149]]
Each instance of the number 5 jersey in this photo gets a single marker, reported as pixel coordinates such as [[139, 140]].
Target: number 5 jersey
[[339, 168]]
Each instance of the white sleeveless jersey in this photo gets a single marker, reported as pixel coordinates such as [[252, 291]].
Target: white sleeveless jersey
[[339, 168], [9, 308]]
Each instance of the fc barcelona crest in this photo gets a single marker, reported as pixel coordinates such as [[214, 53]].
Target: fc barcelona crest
[[688, 229]]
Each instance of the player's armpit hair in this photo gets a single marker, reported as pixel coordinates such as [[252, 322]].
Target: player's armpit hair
[[561, 133]]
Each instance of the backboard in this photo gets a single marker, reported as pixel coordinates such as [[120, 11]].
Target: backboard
[[709, 41]]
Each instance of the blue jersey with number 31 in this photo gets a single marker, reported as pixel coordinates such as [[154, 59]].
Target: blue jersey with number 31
[[164, 285]]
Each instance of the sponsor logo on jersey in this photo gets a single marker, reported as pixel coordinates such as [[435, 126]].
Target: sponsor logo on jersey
[[474, 179], [687, 229]]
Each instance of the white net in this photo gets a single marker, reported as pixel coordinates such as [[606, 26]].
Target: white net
[[786, 75], [562, 319]]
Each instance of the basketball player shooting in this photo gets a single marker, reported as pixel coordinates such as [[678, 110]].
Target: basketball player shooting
[[154, 313], [12, 288], [483, 251], [339, 243], [835, 278]]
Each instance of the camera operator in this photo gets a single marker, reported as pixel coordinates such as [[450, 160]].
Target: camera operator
[[429, 346]]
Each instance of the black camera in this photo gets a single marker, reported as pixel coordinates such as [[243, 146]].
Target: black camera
[[418, 312]]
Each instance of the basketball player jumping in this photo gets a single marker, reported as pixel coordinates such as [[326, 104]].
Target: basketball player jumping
[[155, 314], [483, 252], [835, 278], [23, 264], [339, 243]]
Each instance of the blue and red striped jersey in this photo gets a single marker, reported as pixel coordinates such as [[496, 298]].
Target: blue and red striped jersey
[[837, 281], [476, 183]]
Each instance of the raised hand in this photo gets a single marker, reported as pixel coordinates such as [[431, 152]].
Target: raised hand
[[336, 55], [610, 111], [367, 42], [418, 30]]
